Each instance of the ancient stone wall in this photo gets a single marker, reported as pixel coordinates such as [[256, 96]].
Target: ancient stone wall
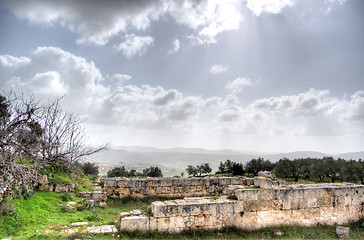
[[302, 205], [45, 185], [171, 187], [257, 208], [188, 213]]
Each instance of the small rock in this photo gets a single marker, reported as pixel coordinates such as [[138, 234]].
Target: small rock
[[102, 204], [102, 229], [90, 203], [136, 212], [278, 233], [233, 188], [124, 214], [71, 203], [342, 232], [79, 223], [69, 207]]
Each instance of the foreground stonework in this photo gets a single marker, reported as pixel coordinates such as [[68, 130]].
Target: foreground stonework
[[308, 206], [172, 187], [188, 213], [271, 203]]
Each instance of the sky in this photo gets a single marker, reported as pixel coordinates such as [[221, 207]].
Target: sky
[[253, 75]]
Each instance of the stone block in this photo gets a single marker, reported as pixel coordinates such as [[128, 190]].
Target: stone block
[[134, 223], [99, 196], [61, 188], [342, 232]]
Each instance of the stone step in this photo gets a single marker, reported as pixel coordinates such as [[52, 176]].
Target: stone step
[[102, 229]]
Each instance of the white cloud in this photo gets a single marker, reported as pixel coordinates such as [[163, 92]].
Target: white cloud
[[13, 62], [269, 6], [176, 46], [166, 97], [229, 115], [183, 109], [135, 45], [238, 84], [47, 83], [120, 79], [208, 17], [52, 71], [95, 22], [312, 102], [217, 69], [355, 108]]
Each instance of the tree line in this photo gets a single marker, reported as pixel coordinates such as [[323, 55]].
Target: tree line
[[317, 169], [122, 172], [37, 138]]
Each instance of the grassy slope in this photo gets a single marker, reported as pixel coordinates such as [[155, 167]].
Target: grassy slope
[[44, 211]]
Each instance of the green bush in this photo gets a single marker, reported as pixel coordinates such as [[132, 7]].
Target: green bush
[[232, 197], [90, 169], [61, 178], [66, 197]]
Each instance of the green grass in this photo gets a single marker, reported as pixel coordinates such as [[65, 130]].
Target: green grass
[[46, 210], [290, 232], [61, 178]]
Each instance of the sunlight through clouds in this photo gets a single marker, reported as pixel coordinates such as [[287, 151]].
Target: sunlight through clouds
[[208, 72]]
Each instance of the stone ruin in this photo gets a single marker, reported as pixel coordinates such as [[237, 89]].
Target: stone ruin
[[172, 187], [218, 202], [252, 203]]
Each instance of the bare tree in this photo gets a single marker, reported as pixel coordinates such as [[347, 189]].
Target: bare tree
[[64, 139], [34, 137]]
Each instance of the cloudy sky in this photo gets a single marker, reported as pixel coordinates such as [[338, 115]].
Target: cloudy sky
[[255, 75]]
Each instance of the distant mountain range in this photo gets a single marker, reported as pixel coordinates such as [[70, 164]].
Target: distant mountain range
[[175, 160]]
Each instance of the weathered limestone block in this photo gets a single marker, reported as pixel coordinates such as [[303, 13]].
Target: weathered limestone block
[[43, 184], [122, 192], [99, 196], [248, 182], [237, 181], [267, 183], [188, 213], [342, 232], [134, 223], [110, 182], [61, 188], [169, 187]]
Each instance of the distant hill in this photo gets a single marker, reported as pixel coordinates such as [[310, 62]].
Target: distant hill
[[352, 155], [175, 160]]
